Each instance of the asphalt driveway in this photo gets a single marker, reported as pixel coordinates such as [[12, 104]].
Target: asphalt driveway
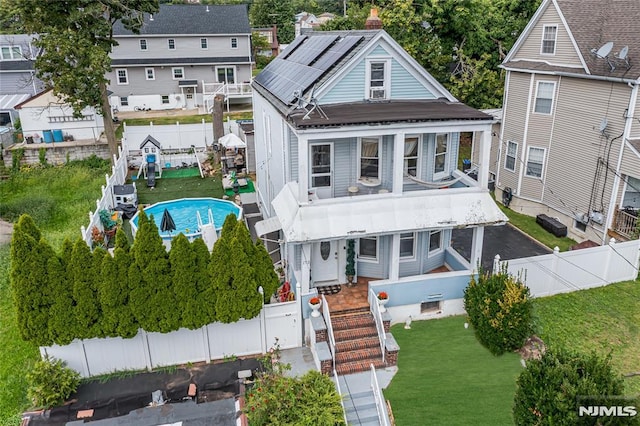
[[505, 240]]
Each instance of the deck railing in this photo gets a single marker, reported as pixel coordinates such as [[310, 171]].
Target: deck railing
[[377, 316], [625, 223], [337, 379]]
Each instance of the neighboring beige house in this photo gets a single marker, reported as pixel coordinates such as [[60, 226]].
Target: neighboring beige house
[[570, 138]]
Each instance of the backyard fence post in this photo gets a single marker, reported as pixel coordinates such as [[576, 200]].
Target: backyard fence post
[[610, 250], [553, 281], [207, 349]]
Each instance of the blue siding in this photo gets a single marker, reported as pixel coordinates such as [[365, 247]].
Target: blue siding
[[379, 51], [412, 267], [349, 89], [379, 269], [419, 291], [406, 86], [342, 166], [386, 163]]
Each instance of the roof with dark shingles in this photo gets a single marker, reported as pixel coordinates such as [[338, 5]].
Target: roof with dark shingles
[[596, 22], [16, 65], [357, 113], [192, 20]]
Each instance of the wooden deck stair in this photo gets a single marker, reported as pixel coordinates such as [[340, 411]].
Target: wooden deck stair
[[357, 343]]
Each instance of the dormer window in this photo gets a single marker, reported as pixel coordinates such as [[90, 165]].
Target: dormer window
[[549, 34], [378, 71]]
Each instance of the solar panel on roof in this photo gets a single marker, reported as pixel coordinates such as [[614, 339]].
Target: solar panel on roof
[[282, 78], [312, 49], [292, 46], [336, 52]]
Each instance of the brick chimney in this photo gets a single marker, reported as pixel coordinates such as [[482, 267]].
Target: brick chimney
[[373, 22]]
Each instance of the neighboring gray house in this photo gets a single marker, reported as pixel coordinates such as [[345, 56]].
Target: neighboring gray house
[[183, 56], [570, 138], [356, 141], [17, 75]]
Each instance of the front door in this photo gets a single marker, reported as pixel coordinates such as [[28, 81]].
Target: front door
[[321, 161], [324, 263]]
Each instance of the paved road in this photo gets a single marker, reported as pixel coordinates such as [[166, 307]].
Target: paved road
[[505, 240]]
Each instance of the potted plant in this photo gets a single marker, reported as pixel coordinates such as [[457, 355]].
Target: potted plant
[[315, 303], [109, 223], [383, 299], [350, 270], [97, 237]]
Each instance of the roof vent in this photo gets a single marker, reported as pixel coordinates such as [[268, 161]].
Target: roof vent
[[151, 17], [207, 8]]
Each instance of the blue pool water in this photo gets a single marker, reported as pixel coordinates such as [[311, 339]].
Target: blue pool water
[[183, 212]]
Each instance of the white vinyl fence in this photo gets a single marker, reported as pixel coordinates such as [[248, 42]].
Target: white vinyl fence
[[118, 177], [576, 270], [94, 357]]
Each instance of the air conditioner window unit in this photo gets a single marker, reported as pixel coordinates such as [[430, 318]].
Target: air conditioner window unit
[[377, 93]]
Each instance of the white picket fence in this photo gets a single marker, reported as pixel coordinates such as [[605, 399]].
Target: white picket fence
[[92, 357], [118, 177], [576, 270]]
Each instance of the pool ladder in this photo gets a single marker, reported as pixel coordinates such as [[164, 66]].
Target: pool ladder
[[208, 230]]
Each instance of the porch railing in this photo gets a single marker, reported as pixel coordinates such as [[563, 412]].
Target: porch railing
[[327, 319], [381, 407], [377, 316], [625, 223], [337, 379]]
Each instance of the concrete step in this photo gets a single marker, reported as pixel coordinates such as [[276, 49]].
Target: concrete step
[[355, 334], [372, 354], [362, 416], [346, 322], [363, 343]]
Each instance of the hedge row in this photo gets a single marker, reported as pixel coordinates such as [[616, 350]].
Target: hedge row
[[82, 294]]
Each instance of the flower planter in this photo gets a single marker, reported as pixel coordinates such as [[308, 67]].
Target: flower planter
[[315, 307], [383, 302]]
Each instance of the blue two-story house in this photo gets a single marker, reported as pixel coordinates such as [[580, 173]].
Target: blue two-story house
[[356, 141]]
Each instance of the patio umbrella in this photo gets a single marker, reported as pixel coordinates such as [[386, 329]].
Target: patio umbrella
[[167, 224]]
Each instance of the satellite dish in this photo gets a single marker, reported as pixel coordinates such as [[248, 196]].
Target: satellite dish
[[623, 53], [604, 51], [603, 125]]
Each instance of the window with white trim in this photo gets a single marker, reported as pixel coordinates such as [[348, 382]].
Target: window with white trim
[[171, 43], [368, 248], [369, 153], [150, 73], [510, 157], [549, 34], [204, 44], [124, 101], [123, 76], [234, 43], [435, 241], [544, 97], [143, 44], [407, 245], [165, 99], [378, 79], [441, 156], [535, 162], [178, 73], [411, 147], [320, 165], [10, 53]]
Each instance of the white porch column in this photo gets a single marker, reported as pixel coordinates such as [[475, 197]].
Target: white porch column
[[303, 169], [394, 259], [398, 162], [476, 247], [484, 158], [305, 268]]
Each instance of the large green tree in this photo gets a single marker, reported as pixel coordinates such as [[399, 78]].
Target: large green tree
[[83, 278], [76, 38], [266, 13]]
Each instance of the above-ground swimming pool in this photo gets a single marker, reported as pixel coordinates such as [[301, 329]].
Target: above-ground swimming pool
[[183, 212]]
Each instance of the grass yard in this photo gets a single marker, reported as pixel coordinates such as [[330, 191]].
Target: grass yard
[[445, 377], [170, 189], [528, 225], [605, 320], [59, 199]]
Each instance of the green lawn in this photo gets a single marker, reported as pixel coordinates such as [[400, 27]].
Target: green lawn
[[445, 377], [605, 320], [170, 189], [59, 200]]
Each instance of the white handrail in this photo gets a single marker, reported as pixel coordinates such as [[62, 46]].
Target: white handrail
[[337, 379], [377, 394], [327, 319], [377, 316]]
